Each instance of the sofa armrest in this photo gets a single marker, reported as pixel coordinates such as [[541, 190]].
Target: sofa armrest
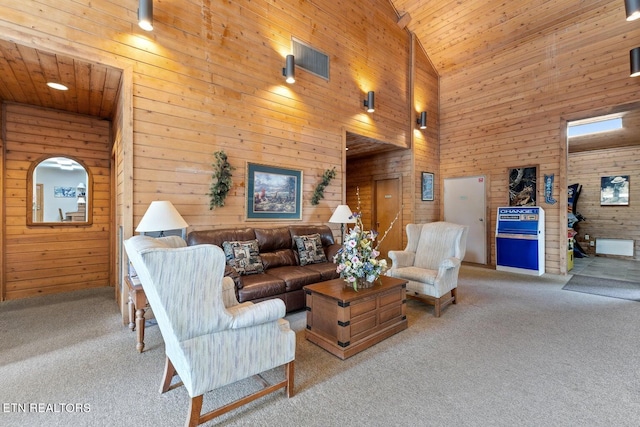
[[245, 315], [331, 251], [401, 258], [229, 292], [233, 274]]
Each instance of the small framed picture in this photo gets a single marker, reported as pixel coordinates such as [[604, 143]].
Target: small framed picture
[[427, 186], [614, 190]]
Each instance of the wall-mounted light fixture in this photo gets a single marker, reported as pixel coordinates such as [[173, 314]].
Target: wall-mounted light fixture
[[289, 70], [369, 102], [632, 7], [634, 59], [145, 14], [422, 120]]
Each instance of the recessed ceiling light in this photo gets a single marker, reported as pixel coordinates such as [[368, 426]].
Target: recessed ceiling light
[[57, 86]]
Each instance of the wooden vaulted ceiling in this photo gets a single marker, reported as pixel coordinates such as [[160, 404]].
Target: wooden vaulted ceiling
[[455, 35], [463, 33]]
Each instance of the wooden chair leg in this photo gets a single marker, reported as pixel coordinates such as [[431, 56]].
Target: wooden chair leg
[[436, 311], [169, 372], [289, 372], [195, 407], [454, 294]]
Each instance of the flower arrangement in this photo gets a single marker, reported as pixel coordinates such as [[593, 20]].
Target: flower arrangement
[[357, 259]]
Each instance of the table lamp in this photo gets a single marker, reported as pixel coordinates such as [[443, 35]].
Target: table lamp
[[161, 216], [342, 215]]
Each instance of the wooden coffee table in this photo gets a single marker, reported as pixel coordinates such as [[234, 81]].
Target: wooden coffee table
[[345, 322]]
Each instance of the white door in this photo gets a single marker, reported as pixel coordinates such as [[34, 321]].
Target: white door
[[464, 203]]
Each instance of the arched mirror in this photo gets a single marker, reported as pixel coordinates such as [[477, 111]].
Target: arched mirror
[[59, 192]]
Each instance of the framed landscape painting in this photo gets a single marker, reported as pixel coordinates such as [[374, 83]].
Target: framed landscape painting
[[273, 193]]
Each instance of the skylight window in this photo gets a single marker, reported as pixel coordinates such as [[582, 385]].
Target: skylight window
[[594, 125]]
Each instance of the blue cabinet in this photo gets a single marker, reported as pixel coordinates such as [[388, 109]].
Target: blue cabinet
[[520, 240]]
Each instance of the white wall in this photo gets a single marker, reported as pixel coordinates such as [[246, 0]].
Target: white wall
[[53, 177]]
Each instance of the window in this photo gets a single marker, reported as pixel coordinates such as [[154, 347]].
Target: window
[[594, 125]]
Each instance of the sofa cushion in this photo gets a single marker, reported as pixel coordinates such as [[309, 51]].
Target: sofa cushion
[[327, 270], [273, 239], [294, 277], [243, 256], [279, 258], [310, 249], [260, 286], [218, 236]]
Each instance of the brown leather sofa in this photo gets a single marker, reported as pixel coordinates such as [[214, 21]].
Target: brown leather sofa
[[283, 276]]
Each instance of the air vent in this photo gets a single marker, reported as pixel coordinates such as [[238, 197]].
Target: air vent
[[310, 59]]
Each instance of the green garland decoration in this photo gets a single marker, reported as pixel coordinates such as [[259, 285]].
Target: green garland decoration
[[221, 180], [318, 194]]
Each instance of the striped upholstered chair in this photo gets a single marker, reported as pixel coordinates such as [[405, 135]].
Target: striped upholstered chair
[[210, 339], [431, 262]]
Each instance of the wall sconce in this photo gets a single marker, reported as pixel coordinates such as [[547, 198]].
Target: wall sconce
[[422, 120], [145, 14], [369, 102], [634, 59], [632, 7], [289, 70]]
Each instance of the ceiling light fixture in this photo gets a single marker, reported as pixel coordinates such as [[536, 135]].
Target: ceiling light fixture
[[422, 120], [289, 70], [369, 102], [145, 15], [634, 59], [57, 86], [632, 7]]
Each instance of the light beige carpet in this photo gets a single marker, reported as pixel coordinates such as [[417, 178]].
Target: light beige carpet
[[516, 351]]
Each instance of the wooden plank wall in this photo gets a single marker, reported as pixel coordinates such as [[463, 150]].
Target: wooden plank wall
[[408, 165], [237, 102], [119, 184], [609, 222], [426, 147], [208, 78], [509, 111], [43, 260]]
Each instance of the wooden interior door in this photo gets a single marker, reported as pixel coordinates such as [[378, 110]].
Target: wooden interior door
[[387, 204], [38, 208]]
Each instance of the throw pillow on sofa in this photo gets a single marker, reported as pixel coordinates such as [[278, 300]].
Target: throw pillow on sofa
[[310, 249], [243, 256]]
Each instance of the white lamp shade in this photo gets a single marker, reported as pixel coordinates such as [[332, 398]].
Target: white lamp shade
[[161, 216], [342, 215]]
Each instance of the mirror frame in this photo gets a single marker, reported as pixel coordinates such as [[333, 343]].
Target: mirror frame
[[30, 183]]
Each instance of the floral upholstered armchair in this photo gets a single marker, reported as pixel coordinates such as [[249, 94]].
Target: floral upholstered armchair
[[431, 262], [210, 339]]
